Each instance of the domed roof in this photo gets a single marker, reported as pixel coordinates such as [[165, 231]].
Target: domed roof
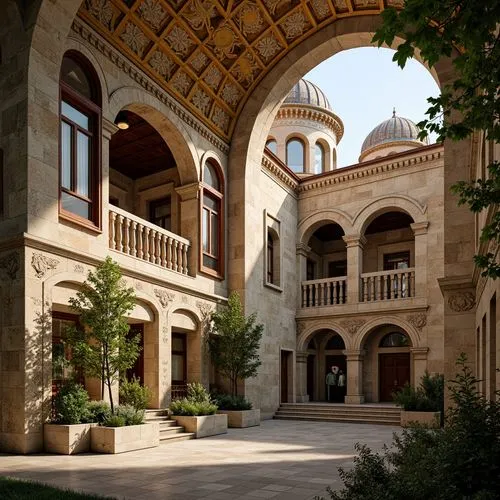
[[395, 129], [305, 92]]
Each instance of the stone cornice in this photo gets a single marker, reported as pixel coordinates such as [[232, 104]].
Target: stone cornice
[[360, 171], [87, 33], [304, 112], [419, 228], [388, 144], [279, 171]]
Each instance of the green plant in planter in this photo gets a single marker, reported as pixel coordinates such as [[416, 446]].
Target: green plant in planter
[[429, 396], [229, 402], [132, 393], [114, 421], [98, 411], [71, 404], [197, 403]]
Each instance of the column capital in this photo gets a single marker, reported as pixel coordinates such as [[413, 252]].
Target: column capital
[[189, 191], [302, 249], [419, 352], [419, 228], [354, 354], [354, 240], [301, 356], [108, 128]]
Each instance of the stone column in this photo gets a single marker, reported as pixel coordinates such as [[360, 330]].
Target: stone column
[[190, 229], [108, 129], [164, 361], [419, 362], [355, 245], [420, 232], [354, 377], [302, 251], [301, 359]]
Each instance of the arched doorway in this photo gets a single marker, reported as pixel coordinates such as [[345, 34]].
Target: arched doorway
[[325, 355]]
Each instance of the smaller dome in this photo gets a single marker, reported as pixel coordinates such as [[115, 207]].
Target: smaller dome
[[390, 132], [305, 92]]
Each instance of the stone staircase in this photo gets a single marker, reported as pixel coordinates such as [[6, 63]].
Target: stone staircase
[[169, 430], [364, 414]]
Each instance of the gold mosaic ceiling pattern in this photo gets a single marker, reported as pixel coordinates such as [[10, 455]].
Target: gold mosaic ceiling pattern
[[210, 54]]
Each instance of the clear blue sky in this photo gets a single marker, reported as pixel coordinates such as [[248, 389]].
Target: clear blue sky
[[363, 85]]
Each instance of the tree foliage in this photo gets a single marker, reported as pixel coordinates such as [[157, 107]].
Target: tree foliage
[[459, 460], [467, 31], [234, 342], [102, 348]]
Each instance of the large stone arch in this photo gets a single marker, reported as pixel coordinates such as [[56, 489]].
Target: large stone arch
[[305, 336], [383, 204], [166, 123], [312, 222]]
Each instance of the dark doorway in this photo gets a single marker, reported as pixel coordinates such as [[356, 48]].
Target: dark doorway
[[285, 357], [394, 370], [311, 358], [137, 370], [179, 359], [336, 393]]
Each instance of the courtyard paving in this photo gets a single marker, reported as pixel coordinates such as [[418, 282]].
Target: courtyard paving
[[279, 460]]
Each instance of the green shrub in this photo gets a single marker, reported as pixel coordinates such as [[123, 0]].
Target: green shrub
[[114, 421], [70, 404], [98, 411], [197, 393], [131, 415], [232, 403], [458, 461], [429, 396], [132, 393], [185, 407]]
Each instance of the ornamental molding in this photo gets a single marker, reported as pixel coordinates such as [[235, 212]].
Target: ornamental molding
[[417, 320], [164, 297], [353, 325], [10, 264], [206, 311], [87, 34], [41, 264], [389, 144], [279, 172], [462, 302], [321, 116]]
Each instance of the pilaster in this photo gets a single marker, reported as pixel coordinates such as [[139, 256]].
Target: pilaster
[[354, 360], [355, 244], [420, 233], [301, 390]]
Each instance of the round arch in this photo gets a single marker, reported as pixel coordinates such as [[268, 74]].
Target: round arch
[[309, 332], [166, 123], [314, 221], [400, 203]]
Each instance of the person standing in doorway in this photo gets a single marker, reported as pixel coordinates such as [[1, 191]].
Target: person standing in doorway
[[341, 384], [331, 382]]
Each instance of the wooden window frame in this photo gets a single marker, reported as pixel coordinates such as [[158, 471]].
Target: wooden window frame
[[395, 255], [159, 202], [270, 259], [183, 337], [93, 110], [218, 196]]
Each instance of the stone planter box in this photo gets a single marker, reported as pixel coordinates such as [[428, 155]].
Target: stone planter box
[[208, 425], [427, 418], [241, 418], [67, 439], [122, 439]]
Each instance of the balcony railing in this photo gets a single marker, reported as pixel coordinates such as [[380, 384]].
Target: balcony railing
[[324, 292], [388, 285], [134, 236]]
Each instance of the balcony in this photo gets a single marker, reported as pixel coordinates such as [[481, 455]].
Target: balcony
[[139, 238], [324, 292], [388, 285]]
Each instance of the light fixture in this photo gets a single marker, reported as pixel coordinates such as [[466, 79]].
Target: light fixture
[[121, 120]]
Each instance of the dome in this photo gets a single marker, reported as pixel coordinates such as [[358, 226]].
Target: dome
[[305, 92], [391, 132]]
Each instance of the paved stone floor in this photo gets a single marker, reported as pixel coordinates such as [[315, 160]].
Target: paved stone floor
[[279, 460]]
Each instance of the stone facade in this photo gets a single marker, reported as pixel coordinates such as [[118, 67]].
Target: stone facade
[[44, 257]]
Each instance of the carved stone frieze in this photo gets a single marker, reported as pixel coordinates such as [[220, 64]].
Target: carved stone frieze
[[462, 301], [78, 268], [41, 264], [205, 310], [353, 325], [417, 320], [10, 264], [300, 328], [164, 297]]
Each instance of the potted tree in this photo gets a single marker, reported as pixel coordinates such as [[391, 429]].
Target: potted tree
[[104, 350], [233, 345], [423, 405]]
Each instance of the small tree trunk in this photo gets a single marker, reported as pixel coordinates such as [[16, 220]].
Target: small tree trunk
[[108, 382]]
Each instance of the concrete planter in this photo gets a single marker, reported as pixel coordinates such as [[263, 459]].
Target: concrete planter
[[241, 418], [207, 425], [122, 439], [427, 418], [67, 439]]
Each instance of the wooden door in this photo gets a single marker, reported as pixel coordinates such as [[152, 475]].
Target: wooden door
[[394, 373], [284, 376], [138, 369], [337, 393]]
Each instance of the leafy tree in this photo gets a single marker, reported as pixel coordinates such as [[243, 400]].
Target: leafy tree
[[466, 29], [234, 341], [459, 460], [102, 348]]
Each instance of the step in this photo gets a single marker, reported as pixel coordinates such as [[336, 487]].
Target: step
[[176, 437], [158, 419], [310, 418], [171, 430], [338, 412], [341, 406], [157, 413]]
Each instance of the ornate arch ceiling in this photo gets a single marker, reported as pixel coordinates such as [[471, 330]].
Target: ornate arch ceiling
[[210, 54]]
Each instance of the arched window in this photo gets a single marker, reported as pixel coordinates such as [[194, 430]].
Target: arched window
[[295, 155], [272, 145], [211, 222], [395, 339], [335, 343], [319, 158], [80, 131]]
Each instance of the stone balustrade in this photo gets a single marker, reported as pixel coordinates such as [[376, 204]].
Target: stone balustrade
[[324, 292], [139, 238], [388, 285]]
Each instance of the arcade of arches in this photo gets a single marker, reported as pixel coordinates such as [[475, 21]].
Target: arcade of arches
[[138, 129]]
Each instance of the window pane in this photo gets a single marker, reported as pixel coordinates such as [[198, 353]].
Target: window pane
[[319, 159], [215, 235], [211, 203], [83, 165], [75, 205], [74, 115], [272, 146], [210, 262], [205, 229], [178, 344], [178, 367], [210, 176], [295, 155], [74, 75], [66, 154]]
